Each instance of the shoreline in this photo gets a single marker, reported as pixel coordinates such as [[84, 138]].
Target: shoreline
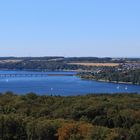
[[107, 81], [130, 83]]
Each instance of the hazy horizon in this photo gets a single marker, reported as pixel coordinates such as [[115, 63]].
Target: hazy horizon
[[70, 28], [70, 56]]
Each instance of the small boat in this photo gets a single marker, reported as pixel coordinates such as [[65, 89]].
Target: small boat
[[118, 87], [126, 88]]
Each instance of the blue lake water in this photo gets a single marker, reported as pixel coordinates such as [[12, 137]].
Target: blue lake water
[[59, 85]]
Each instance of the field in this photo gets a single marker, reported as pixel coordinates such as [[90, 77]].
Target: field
[[10, 61], [96, 64]]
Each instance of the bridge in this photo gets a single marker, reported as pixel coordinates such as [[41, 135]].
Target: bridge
[[33, 75]]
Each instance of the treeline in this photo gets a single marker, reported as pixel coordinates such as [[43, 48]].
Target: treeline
[[94, 60], [50, 63], [71, 59], [89, 117], [31, 58], [113, 75], [38, 65], [44, 65]]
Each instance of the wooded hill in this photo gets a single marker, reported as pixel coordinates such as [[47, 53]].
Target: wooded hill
[[89, 117]]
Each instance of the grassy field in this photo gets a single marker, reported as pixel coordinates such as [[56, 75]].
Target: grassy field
[[96, 64], [10, 61]]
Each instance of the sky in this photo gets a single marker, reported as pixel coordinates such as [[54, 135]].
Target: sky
[[101, 28]]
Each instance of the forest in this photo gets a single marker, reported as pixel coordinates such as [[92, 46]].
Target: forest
[[113, 75], [88, 117]]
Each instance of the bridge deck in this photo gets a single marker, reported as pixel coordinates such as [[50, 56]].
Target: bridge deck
[[33, 75]]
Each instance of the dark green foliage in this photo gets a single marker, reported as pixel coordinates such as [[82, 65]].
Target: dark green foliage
[[112, 75], [12, 127], [105, 117]]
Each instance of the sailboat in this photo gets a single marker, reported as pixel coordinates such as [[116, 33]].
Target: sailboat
[[118, 87], [126, 88]]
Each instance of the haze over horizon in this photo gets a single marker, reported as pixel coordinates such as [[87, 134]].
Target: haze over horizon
[[70, 28]]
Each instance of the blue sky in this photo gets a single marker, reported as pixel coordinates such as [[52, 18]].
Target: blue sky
[[70, 28]]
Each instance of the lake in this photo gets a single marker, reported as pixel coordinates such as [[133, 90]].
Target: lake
[[57, 83]]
